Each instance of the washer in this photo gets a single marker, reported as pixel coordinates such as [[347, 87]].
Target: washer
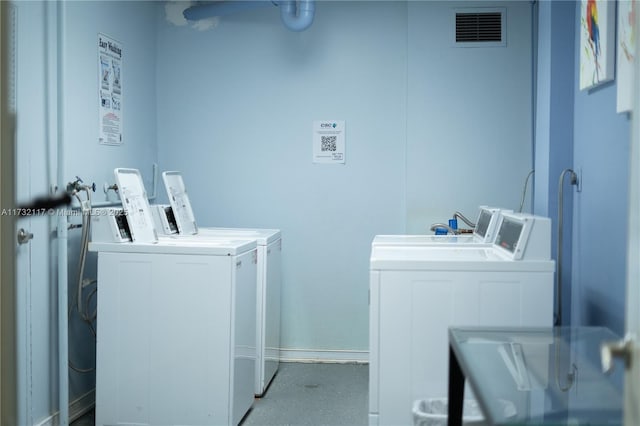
[[177, 221], [483, 233], [176, 324], [417, 292], [268, 298]]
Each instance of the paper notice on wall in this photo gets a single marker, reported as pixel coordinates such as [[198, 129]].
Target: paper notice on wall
[[110, 90], [328, 141]]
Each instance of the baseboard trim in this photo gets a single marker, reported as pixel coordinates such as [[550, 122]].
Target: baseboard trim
[[77, 408], [324, 356]]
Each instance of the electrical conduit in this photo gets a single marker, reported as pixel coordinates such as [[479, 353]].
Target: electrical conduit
[[63, 324]]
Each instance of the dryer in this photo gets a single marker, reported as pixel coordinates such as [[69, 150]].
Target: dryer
[[418, 291], [178, 221], [176, 324]]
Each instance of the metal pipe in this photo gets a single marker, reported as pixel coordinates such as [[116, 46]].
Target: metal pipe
[[524, 190], [570, 378], [221, 8], [574, 181], [63, 276], [297, 17], [457, 215]]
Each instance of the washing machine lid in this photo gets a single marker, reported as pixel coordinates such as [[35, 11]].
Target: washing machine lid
[[169, 245], [180, 203], [450, 258], [263, 236], [483, 234], [427, 240], [136, 205]]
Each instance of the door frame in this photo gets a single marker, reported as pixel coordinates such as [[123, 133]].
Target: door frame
[[8, 401], [631, 384]]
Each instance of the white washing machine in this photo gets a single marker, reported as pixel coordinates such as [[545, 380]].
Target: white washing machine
[[483, 233], [268, 298], [177, 221], [176, 324], [417, 292]]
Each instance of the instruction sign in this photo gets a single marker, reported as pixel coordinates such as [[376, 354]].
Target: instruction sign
[[328, 141], [110, 90]]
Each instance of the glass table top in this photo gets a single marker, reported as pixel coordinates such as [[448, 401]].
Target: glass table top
[[537, 376]]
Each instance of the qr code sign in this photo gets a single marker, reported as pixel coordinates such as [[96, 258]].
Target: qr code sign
[[328, 143]]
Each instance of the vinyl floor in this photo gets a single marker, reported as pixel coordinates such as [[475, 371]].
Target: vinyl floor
[[306, 394]]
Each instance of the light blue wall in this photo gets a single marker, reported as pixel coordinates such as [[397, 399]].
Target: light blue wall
[[235, 111], [469, 123], [542, 140], [134, 25], [235, 107]]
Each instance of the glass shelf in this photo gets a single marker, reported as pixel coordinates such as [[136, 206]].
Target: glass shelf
[[535, 376]]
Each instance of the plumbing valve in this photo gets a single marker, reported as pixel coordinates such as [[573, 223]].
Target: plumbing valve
[[76, 186]]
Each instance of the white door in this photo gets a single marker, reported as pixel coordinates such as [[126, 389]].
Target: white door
[[7, 232], [35, 314], [23, 251], [632, 384]]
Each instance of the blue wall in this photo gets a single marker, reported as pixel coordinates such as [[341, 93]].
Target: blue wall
[[601, 150], [554, 127], [232, 107], [581, 130]]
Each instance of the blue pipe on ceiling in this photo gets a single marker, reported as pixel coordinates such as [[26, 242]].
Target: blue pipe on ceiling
[[300, 17], [295, 15], [220, 8]]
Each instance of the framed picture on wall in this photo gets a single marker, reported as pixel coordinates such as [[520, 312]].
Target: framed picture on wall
[[597, 42], [625, 56]]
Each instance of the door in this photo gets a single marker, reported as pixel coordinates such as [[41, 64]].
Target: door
[[632, 383], [7, 295], [35, 314]]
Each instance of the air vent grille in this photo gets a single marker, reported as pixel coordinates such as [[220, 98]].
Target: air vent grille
[[484, 27]]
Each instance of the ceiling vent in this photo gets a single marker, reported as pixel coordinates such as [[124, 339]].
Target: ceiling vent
[[480, 27]]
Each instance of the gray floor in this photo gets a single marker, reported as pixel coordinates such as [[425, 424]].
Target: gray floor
[[314, 394], [306, 394]]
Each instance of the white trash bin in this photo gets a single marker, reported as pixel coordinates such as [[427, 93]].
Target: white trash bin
[[433, 412]]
